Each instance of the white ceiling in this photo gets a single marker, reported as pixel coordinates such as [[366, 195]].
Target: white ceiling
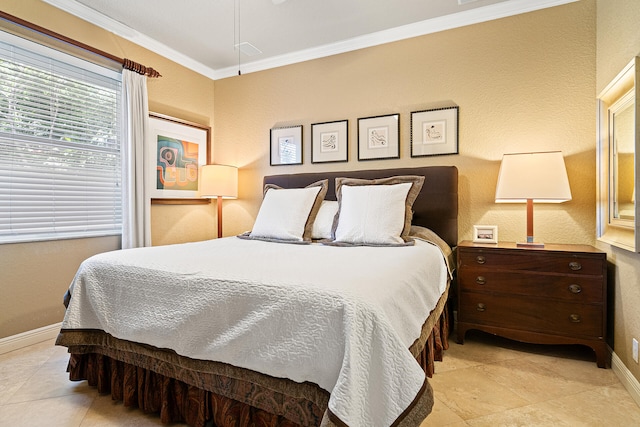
[[202, 34]]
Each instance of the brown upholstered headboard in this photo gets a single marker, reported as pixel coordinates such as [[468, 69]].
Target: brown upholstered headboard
[[436, 207]]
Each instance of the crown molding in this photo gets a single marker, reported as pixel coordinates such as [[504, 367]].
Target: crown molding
[[93, 17], [469, 17], [473, 16]]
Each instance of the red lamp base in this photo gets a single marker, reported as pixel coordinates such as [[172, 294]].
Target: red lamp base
[[530, 243]]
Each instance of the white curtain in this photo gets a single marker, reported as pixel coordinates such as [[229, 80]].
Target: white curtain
[[136, 207]]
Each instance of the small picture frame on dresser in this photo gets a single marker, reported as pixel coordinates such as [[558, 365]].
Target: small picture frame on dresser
[[485, 234]]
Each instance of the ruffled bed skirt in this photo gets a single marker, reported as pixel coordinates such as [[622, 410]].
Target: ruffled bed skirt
[[155, 388], [173, 400]]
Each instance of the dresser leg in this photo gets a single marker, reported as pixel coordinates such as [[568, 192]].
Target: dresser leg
[[460, 334], [602, 355]]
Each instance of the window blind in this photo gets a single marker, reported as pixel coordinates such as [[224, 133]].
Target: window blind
[[60, 135]]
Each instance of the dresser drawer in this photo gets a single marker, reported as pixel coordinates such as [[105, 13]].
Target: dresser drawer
[[575, 288], [532, 314], [515, 260]]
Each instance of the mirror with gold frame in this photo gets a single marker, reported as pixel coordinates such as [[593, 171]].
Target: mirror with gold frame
[[618, 143]]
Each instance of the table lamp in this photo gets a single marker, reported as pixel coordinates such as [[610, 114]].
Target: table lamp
[[532, 178], [219, 182]]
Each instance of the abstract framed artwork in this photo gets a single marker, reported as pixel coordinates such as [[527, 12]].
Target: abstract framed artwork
[[379, 137], [330, 142], [286, 146], [178, 149], [434, 132]]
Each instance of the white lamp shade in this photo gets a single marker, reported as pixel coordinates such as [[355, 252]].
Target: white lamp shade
[[218, 181], [541, 177]]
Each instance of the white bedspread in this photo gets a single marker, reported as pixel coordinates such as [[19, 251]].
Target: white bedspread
[[342, 318]]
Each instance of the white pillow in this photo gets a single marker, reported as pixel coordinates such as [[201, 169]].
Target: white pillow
[[284, 213], [324, 220], [372, 214]]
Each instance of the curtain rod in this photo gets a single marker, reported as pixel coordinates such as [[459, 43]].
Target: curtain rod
[[126, 63]]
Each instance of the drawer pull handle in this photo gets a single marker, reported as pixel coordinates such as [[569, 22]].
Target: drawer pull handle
[[480, 280], [575, 318], [481, 259], [575, 266], [575, 289], [481, 307]]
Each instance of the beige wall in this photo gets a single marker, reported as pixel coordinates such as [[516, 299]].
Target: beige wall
[[618, 42], [522, 83], [35, 275]]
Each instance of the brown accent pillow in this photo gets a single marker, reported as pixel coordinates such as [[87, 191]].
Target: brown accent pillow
[[416, 185], [308, 225]]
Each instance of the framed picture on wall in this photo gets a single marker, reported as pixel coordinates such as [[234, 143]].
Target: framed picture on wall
[[178, 150], [330, 142], [434, 132], [485, 234], [286, 146], [379, 137]]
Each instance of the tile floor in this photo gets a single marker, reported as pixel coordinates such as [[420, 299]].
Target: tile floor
[[488, 381]]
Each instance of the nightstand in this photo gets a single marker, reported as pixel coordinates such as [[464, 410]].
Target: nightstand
[[551, 295]]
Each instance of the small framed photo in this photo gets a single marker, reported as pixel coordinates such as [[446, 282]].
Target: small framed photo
[[330, 142], [485, 234], [286, 146], [434, 132], [379, 137]]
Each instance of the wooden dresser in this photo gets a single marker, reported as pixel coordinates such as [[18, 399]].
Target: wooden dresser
[[551, 295]]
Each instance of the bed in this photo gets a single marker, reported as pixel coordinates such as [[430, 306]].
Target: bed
[[372, 376]]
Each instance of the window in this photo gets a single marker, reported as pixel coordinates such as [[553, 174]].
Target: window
[[60, 133]]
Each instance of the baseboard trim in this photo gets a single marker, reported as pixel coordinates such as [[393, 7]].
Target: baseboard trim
[[25, 339], [626, 377]]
